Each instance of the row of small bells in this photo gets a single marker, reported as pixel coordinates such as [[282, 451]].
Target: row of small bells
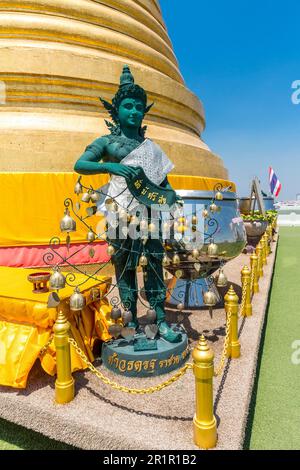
[[68, 225]]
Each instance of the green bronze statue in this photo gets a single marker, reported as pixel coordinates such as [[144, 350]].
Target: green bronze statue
[[120, 154]]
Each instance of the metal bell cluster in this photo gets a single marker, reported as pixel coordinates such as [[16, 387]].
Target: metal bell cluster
[[57, 280], [77, 300], [67, 224]]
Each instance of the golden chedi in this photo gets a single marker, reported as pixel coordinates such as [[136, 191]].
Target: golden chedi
[[58, 56]]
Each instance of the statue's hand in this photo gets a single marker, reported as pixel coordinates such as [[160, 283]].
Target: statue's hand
[[128, 172]]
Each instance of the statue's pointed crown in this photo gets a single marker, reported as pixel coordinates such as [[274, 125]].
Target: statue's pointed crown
[[127, 89]]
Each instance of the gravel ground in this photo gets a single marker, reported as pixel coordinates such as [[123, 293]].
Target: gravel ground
[[102, 418]]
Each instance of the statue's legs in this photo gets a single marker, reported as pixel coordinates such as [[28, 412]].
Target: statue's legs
[[155, 290], [127, 284]]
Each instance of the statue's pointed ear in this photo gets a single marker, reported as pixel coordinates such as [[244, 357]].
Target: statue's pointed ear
[[111, 110], [148, 108]]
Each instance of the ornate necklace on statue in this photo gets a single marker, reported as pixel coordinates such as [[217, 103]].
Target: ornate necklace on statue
[[124, 142]]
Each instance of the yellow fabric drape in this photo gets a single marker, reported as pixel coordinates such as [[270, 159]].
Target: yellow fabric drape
[[26, 324], [33, 204]]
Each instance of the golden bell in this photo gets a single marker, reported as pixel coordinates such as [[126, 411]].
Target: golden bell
[[57, 280], [143, 224], [77, 300], [180, 307], [176, 259], [213, 207], [222, 279], [212, 249], [219, 196], [195, 253], [210, 298], [166, 226], [110, 250], [67, 224], [86, 197], [181, 228], [95, 197], [123, 215], [194, 220], [205, 213], [165, 261], [109, 204], [90, 236], [78, 188], [181, 220], [134, 220], [143, 260], [151, 227]]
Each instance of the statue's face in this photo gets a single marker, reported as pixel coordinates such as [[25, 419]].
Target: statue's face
[[131, 112]]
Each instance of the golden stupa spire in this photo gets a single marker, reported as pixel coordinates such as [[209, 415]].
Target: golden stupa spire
[[59, 56]]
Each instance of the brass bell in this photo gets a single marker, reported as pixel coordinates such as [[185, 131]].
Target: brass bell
[[222, 279], [219, 196], [86, 197], [213, 207], [91, 235], [166, 226], [77, 300], [144, 224], [212, 249], [195, 253], [123, 215], [95, 197], [78, 188], [151, 315], [110, 250], [67, 224], [151, 227], [176, 259], [194, 219], [205, 213], [210, 298], [181, 228], [57, 280], [115, 313], [134, 220], [180, 307], [143, 260], [165, 261]]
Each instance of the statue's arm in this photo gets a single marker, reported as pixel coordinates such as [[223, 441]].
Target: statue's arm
[[90, 162]]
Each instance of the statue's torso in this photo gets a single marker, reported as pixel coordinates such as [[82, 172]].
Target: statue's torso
[[117, 148]]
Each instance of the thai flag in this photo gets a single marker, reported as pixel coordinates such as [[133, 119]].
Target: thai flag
[[275, 184]]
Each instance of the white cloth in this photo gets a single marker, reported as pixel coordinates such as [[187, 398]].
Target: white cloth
[[155, 164]]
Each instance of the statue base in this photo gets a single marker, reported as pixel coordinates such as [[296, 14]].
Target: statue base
[[121, 357]]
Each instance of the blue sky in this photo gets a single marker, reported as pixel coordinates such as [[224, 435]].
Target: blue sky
[[241, 57]]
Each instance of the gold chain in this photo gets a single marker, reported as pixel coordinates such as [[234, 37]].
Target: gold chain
[[225, 347], [44, 348], [137, 391], [244, 291], [252, 282]]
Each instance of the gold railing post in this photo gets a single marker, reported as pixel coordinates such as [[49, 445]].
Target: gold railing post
[[264, 249], [232, 306], [260, 269], [269, 239], [64, 384], [246, 291], [254, 269], [204, 423]]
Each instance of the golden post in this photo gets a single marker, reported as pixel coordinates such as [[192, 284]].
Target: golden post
[[246, 292], [232, 306], [205, 425], [269, 239], [254, 271], [64, 384], [264, 246], [260, 269]]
